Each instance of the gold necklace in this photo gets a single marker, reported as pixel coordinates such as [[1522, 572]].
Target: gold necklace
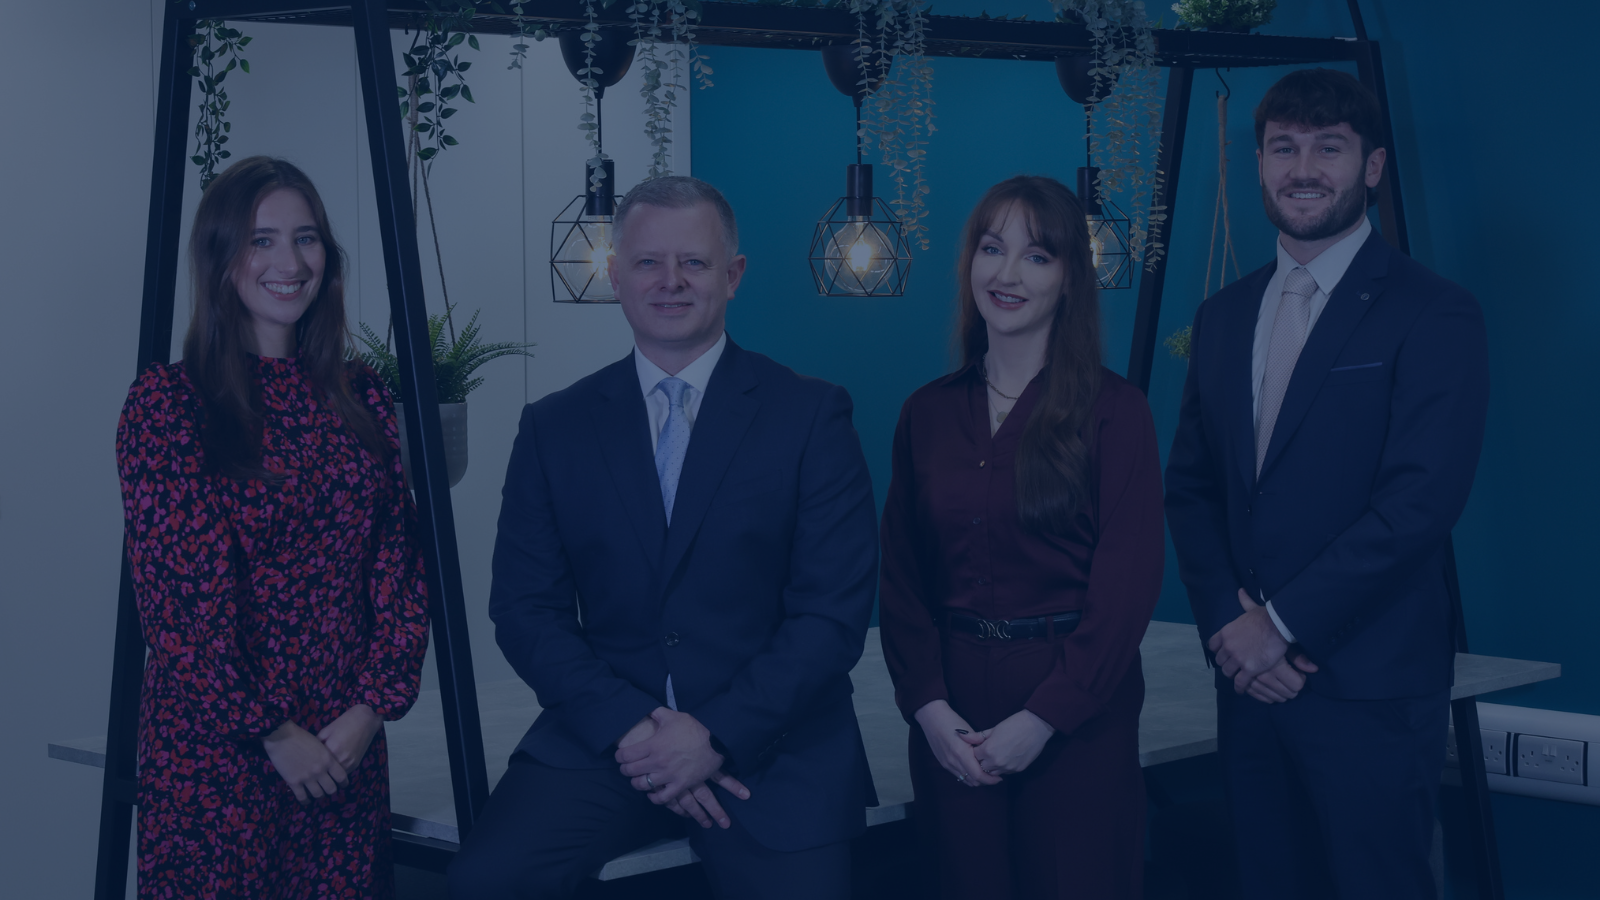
[[983, 367]]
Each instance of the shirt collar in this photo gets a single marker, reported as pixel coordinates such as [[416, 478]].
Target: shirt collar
[[1330, 265], [697, 374]]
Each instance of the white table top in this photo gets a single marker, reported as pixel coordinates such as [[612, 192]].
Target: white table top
[[1178, 721]]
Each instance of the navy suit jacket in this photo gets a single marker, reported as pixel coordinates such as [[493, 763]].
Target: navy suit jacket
[[756, 599], [1370, 464]]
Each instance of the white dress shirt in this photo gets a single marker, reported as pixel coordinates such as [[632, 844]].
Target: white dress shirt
[[697, 375], [1327, 270]]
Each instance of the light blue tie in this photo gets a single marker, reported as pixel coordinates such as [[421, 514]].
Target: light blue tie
[[673, 442]]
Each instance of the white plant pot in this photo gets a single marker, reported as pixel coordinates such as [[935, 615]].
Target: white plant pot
[[453, 416]]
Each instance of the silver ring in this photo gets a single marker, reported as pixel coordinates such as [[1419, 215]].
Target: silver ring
[[650, 781], [962, 779]]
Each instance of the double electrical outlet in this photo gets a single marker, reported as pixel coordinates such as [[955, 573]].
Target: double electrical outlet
[[1522, 756]]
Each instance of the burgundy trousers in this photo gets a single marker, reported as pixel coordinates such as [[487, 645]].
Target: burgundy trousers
[[1071, 825]]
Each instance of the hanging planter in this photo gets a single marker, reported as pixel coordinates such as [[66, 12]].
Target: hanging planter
[[1236, 16], [455, 359]]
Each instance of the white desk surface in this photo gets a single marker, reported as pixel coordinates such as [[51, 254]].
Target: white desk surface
[[1178, 721]]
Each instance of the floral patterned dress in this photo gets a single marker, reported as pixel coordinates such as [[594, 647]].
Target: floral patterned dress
[[263, 603]]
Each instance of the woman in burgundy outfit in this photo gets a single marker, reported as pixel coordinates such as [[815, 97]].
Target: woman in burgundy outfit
[[279, 586], [1022, 556]]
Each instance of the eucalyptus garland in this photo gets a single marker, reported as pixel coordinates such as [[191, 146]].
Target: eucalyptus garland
[[519, 49], [213, 42], [1129, 114], [589, 122], [898, 117], [673, 21]]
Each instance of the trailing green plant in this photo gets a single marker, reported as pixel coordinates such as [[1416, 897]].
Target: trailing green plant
[[655, 21], [430, 64], [897, 118], [212, 42], [525, 30], [454, 359], [1129, 114], [589, 87], [1223, 15], [1179, 342]]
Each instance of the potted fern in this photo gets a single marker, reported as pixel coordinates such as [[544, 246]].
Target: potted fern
[[456, 356]]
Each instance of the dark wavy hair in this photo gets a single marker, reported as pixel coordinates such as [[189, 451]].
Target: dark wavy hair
[[215, 350], [1321, 98], [1052, 468]]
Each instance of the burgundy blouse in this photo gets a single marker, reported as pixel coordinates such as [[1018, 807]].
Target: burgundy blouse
[[952, 541]]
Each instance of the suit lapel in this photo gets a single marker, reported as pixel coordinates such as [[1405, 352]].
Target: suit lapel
[[1351, 299], [726, 412], [1237, 353], [623, 427]]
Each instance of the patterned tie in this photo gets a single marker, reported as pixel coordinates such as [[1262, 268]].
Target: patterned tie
[[1289, 331], [673, 442]]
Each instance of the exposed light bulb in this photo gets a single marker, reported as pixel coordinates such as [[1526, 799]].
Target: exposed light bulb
[[860, 257], [1097, 244]]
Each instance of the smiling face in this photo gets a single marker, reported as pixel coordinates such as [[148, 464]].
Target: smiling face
[[671, 273], [1016, 284], [1314, 180], [280, 272]]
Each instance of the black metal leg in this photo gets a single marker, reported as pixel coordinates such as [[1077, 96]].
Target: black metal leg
[[1391, 211], [117, 796], [463, 735], [1174, 122]]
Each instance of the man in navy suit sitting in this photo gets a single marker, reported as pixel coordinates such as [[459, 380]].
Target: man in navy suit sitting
[[684, 574], [1326, 444]]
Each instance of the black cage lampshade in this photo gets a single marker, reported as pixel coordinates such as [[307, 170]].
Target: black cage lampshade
[[580, 243], [859, 248], [580, 237], [1108, 235]]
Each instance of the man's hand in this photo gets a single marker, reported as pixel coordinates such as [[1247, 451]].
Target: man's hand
[[1279, 684], [945, 730], [349, 736], [1012, 745], [671, 761], [304, 762], [1249, 645], [700, 802]]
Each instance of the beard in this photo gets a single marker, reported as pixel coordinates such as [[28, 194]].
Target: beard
[[1347, 208]]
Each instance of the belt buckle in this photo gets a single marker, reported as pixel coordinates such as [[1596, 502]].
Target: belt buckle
[[999, 629]]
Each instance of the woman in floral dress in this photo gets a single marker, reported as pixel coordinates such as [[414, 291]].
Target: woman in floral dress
[[279, 584]]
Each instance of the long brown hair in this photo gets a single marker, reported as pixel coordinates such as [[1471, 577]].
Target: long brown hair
[[1052, 468], [215, 352]]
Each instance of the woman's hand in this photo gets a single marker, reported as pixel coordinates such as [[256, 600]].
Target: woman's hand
[[1011, 746], [349, 736], [304, 762], [948, 734]]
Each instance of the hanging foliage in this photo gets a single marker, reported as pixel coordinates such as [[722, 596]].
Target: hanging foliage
[[1223, 15], [435, 77], [1128, 111], [213, 42], [525, 30], [897, 118], [672, 22]]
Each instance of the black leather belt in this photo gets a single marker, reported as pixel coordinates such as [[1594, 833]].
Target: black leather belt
[[1014, 629]]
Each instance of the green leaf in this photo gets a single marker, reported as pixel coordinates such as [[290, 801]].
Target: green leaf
[[245, 65], [463, 66], [427, 153], [448, 112], [472, 41], [448, 139], [467, 93], [198, 160]]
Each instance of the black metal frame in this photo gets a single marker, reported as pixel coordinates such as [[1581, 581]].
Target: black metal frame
[[741, 24]]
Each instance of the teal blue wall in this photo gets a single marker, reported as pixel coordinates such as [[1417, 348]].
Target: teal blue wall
[[1494, 114]]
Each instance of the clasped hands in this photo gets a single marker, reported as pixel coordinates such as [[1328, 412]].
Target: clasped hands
[[668, 755], [1252, 652], [981, 758], [317, 765]]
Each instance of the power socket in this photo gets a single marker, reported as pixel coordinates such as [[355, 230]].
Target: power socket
[[1550, 759], [1494, 751]]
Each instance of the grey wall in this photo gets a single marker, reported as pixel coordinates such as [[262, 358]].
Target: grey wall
[[74, 191]]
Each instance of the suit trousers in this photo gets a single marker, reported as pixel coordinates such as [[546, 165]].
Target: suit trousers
[[544, 830], [1333, 798], [1070, 825]]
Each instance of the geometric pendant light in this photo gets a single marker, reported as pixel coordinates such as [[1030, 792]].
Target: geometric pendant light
[[1108, 226], [859, 246], [580, 236]]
